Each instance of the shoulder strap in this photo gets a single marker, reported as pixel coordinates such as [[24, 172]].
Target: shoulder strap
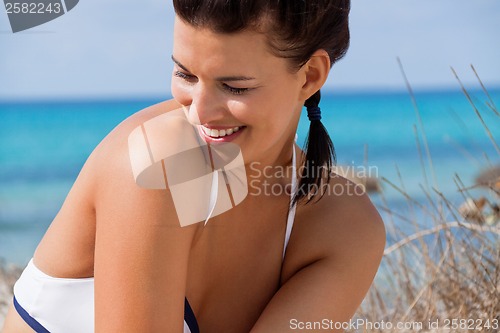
[[292, 207]]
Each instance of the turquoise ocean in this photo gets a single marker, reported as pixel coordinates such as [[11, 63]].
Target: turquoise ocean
[[44, 144]]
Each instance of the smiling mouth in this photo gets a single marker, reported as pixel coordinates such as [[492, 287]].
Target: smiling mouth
[[220, 133]]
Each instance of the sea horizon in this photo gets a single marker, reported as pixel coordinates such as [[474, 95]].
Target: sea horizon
[[473, 89]]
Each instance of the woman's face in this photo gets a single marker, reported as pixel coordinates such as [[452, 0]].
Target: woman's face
[[238, 91]]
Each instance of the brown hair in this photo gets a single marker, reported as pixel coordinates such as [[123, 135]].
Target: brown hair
[[296, 29]]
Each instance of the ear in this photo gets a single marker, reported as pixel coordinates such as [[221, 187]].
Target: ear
[[316, 71]]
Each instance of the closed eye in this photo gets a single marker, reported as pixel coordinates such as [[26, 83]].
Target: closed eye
[[184, 76], [193, 79], [233, 90]]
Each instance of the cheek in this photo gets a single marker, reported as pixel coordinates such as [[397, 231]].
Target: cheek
[[278, 107], [270, 117], [181, 93], [281, 113], [255, 112]]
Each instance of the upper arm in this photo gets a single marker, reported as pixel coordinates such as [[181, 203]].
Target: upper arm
[[332, 267], [141, 252]]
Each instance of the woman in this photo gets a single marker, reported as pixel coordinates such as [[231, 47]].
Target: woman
[[243, 70]]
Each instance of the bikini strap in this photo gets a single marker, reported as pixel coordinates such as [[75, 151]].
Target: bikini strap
[[292, 206], [213, 195]]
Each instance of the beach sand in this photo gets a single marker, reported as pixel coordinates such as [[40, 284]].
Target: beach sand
[[9, 274]]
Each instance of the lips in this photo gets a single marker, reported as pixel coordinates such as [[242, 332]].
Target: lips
[[220, 133]]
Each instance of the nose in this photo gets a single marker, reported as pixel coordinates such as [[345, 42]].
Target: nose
[[206, 106]]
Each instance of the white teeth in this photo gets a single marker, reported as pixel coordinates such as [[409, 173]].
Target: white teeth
[[220, 133]]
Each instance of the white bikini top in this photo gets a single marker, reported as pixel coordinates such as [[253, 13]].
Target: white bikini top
[[292, 206]]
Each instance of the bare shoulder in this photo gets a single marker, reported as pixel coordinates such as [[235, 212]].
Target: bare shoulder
[[343, 226], [109, 164], [117, 194], [116, 141]]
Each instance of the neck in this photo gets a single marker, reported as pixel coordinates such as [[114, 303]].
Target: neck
[[271, 176]]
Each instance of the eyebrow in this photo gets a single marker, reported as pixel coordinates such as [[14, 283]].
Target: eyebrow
[[222, 78]]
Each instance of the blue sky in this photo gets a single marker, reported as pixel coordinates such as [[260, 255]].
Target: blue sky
[[108, 49]]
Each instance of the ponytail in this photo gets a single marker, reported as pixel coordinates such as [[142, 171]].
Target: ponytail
[[320, 155]]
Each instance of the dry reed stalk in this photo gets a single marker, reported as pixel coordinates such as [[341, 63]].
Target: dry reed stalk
[[443, 271]]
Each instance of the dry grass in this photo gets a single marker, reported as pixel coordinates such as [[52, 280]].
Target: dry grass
[[445, 266]]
